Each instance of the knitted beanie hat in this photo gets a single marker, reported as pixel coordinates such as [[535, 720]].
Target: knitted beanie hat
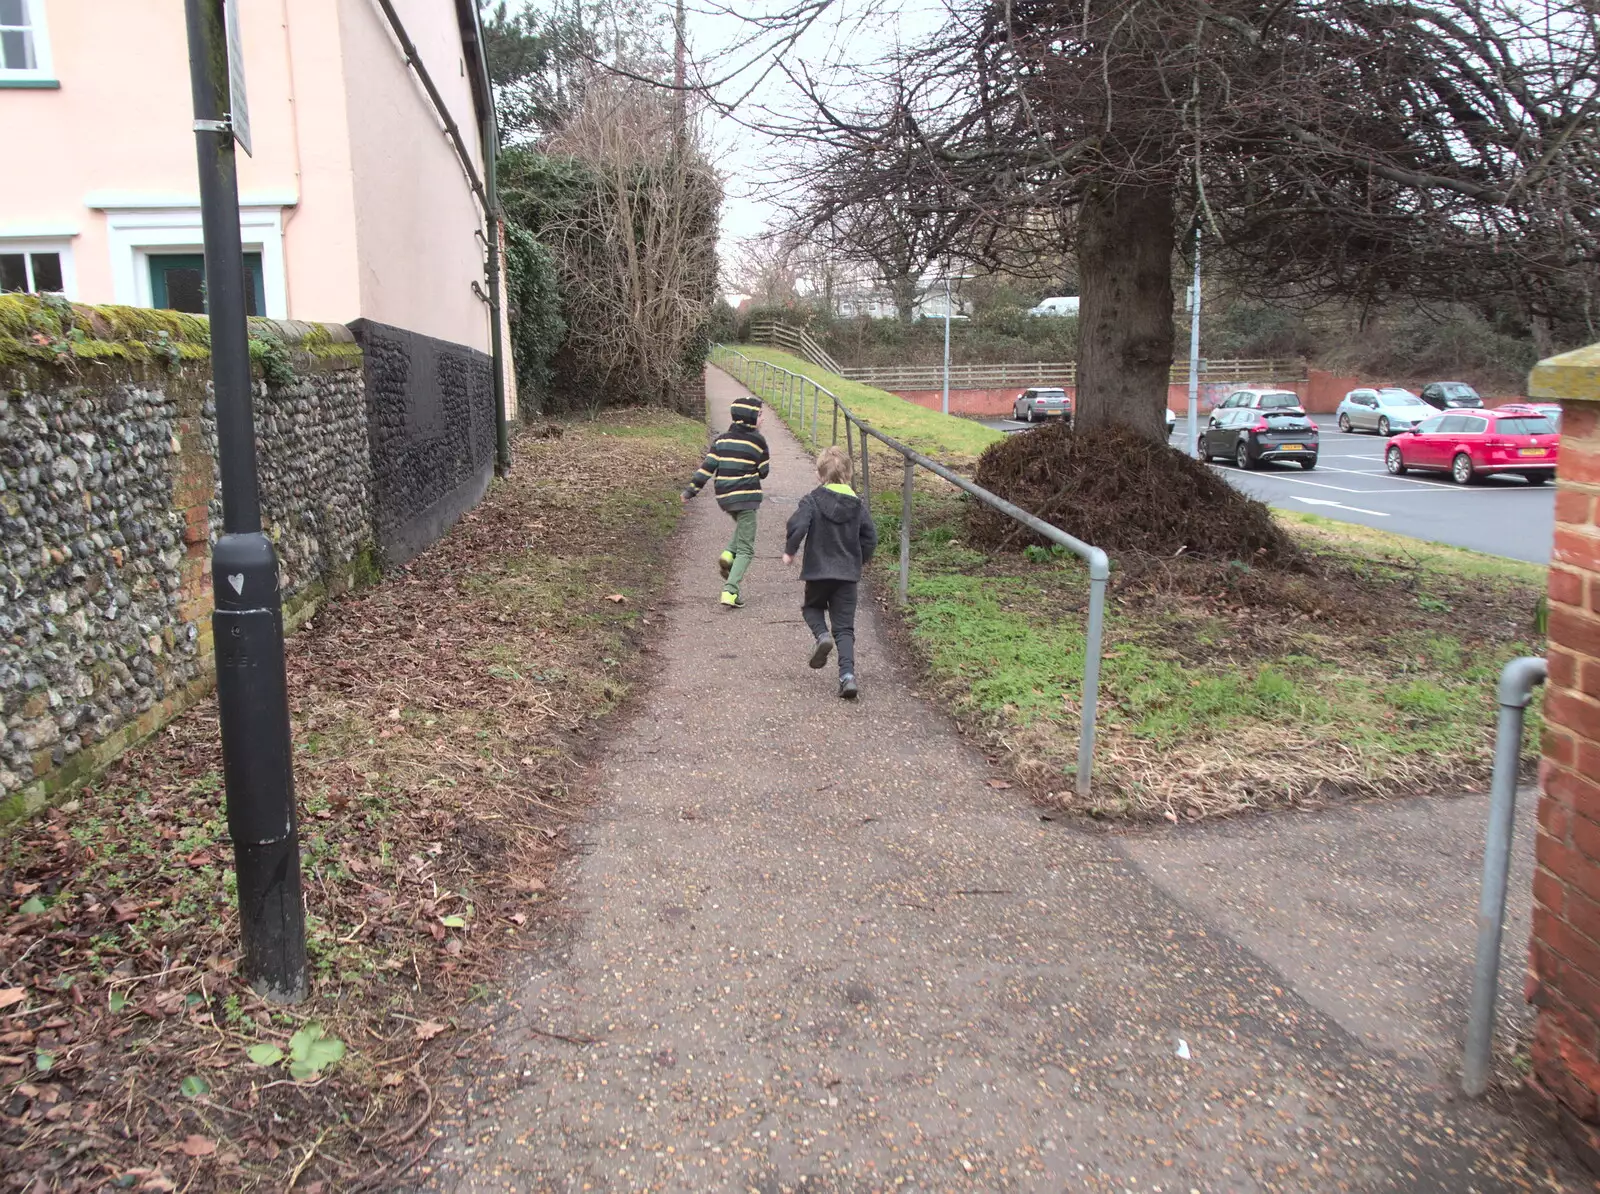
[[746, 409]]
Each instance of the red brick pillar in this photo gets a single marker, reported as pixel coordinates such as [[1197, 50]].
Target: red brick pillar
[[1564, 979]]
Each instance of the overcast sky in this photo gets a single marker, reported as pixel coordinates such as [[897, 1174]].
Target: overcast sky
[[849, 32]]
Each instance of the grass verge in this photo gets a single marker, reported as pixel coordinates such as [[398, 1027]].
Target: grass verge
[[952, 441], [441, 719], [1224, 687]]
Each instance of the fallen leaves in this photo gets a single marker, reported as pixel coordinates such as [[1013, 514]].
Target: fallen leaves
[[398, 740]]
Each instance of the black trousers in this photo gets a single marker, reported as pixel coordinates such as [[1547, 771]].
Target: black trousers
[[835, 601]]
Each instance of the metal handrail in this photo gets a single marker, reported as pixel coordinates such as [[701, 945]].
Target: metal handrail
[[1517, 682], [791, 397]]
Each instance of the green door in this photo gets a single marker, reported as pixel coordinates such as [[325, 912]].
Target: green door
[[178, 283]]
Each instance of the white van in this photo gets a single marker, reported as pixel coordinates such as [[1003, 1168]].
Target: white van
[[1056, 306]]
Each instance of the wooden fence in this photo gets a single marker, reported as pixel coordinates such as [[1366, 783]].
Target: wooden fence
[[1234, 370], [1261, 370], [795, 340]]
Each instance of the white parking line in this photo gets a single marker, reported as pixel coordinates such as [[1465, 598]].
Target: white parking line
[[1410, 485], [1339, 505]]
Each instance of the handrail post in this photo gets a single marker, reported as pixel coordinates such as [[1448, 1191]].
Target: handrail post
[[816, 401], [905, 530], [850, 449], [866, 470], [1517, 683], [836, 421], [1099, 571]]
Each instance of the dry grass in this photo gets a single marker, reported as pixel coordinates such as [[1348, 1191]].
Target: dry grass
[[442, 720]]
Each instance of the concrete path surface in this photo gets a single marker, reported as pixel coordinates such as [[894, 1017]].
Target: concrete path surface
[[810, 948]]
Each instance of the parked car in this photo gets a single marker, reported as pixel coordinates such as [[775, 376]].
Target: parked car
[[1249, 435], [1255, 398], [1449, 395], [1472, 445], [1385, 411], [1058, 306], [1040, 402]]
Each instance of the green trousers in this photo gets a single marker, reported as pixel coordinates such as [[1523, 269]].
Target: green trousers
[[743, 547]]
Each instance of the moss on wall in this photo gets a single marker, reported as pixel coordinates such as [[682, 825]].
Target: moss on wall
[[50, 330]]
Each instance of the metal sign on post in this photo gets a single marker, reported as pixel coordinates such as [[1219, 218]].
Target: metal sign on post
[[238, 102]]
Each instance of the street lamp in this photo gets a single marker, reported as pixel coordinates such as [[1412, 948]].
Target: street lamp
[[945, 406], [1194, 352], [247, 622]]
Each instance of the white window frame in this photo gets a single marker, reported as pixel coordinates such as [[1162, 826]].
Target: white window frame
[[43, 70], [63, 248], [136, 233]]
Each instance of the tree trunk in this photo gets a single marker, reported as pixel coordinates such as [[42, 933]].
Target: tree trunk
[[1125, 242], [905, 298]]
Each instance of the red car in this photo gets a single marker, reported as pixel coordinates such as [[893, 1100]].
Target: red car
[[1471, 445]]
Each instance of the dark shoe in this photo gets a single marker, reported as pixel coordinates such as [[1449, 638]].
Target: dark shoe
[[820, 652], [725, 564], [847, 687]]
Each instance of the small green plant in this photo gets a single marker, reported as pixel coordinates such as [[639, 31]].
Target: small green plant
[[264, 1054], [311, 1051], [1037, 553], [1541, 615], [269, 351], [165, 347]]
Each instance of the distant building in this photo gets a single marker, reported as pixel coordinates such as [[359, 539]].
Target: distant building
[[873, 297]]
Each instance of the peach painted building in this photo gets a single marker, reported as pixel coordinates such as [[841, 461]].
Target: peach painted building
[[355, 204]]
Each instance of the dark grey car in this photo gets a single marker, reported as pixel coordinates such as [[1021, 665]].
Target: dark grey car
[[1248, 437], [1450, 395]]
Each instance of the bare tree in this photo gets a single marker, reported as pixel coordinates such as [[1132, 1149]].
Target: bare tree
[[636, 248], [901, 226], [1354, 147]]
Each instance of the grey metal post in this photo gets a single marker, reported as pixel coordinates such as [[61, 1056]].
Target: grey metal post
[[866, 470], [835, 422], [816, 401], [945, 407], [1194, 352], [1517, 683], [247, 621], [850, 449], [905, 530], [1099, 571]]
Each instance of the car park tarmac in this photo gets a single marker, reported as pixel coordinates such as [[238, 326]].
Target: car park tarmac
[[1502, 515]]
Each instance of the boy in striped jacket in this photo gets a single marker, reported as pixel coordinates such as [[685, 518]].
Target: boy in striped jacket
[[739, 462]]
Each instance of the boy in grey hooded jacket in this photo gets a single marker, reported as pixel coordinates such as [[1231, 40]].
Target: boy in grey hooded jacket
[[839, 536]]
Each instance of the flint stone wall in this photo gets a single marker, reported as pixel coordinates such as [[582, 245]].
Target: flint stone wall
[[108, 506]]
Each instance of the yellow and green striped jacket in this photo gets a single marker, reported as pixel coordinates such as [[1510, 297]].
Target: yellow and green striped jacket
[[738, 461]]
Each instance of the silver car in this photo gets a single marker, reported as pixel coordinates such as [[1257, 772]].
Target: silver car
[[1388, 411], [1041, 402]]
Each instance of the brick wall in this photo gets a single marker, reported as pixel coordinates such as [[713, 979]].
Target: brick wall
[[1564, 961]]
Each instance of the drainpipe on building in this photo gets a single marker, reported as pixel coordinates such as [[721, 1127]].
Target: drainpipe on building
[[490, 134]]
